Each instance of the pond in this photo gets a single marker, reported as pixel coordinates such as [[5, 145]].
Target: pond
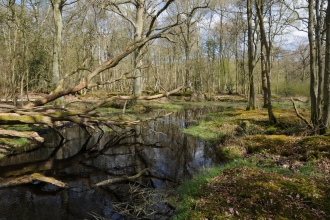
[[83, 160]]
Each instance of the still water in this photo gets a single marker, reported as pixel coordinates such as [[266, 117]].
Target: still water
[[83, 160]]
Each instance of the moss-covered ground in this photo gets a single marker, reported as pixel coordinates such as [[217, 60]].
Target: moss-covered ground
[[272, 172]]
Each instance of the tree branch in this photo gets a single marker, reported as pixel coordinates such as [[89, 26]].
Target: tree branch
[[300, 116], [133, 98], [154, 18], [119, 179], [31, 179], [112, 62]]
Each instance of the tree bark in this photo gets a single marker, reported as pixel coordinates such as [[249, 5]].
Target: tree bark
[[265, 56], [139, 24], [57, 15], [252, 101], [312, 62], [326, 89]]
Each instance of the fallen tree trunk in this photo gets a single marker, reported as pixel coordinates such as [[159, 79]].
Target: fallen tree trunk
[[13, 134], [130, 48]]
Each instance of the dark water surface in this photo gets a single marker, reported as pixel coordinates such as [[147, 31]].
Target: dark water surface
[[83, 160]]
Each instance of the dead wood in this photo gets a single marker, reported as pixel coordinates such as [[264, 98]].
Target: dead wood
[[119, 179], [300, 116], [112, 62], [31, 179], [12, 134], [131, 97]]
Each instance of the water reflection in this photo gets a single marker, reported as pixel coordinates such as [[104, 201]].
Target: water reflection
[[83, 160]]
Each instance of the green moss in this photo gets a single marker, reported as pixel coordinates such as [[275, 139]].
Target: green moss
[[271, 130], [276, 144], [25, 127], [230, 152], [252, 193], [16, 145], [283, 175]]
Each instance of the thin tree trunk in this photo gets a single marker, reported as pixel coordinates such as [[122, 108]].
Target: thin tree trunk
[[267, 61], [312, 62], [326, 88], [251, 104], [318, 57]]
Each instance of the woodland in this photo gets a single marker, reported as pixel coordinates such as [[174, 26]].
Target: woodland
[[142, 50], [63, 60]]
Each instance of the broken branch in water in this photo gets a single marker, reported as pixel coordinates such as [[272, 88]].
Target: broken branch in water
[[119, 179], [31, 179]]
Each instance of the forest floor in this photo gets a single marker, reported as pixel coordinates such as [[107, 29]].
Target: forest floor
[[271, 172], [277, 171]]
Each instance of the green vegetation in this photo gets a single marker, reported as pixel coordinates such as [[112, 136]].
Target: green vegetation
[[274, 172], [13, 145], [243, 190]]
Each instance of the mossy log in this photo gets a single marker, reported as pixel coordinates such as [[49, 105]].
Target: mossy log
[[12, 134], [31, 179], [11, 115], [16, 118]]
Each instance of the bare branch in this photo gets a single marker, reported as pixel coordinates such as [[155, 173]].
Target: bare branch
[[30, 179], [119, 179], [300, 116], [152, 23], [112, 62], [120, 13]]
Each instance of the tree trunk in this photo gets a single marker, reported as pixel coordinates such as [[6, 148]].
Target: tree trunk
[[312, 62], [252, 103], [267, 53], [57, 14], [264, 76], [326, 89], [137, 90], [318, 39]]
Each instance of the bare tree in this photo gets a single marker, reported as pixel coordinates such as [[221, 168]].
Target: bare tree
[[31, 113]]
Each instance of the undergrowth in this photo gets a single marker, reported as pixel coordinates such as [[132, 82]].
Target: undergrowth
[[272, 172]]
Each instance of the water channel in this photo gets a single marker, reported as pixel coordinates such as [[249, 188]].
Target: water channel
[[84, 160]]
